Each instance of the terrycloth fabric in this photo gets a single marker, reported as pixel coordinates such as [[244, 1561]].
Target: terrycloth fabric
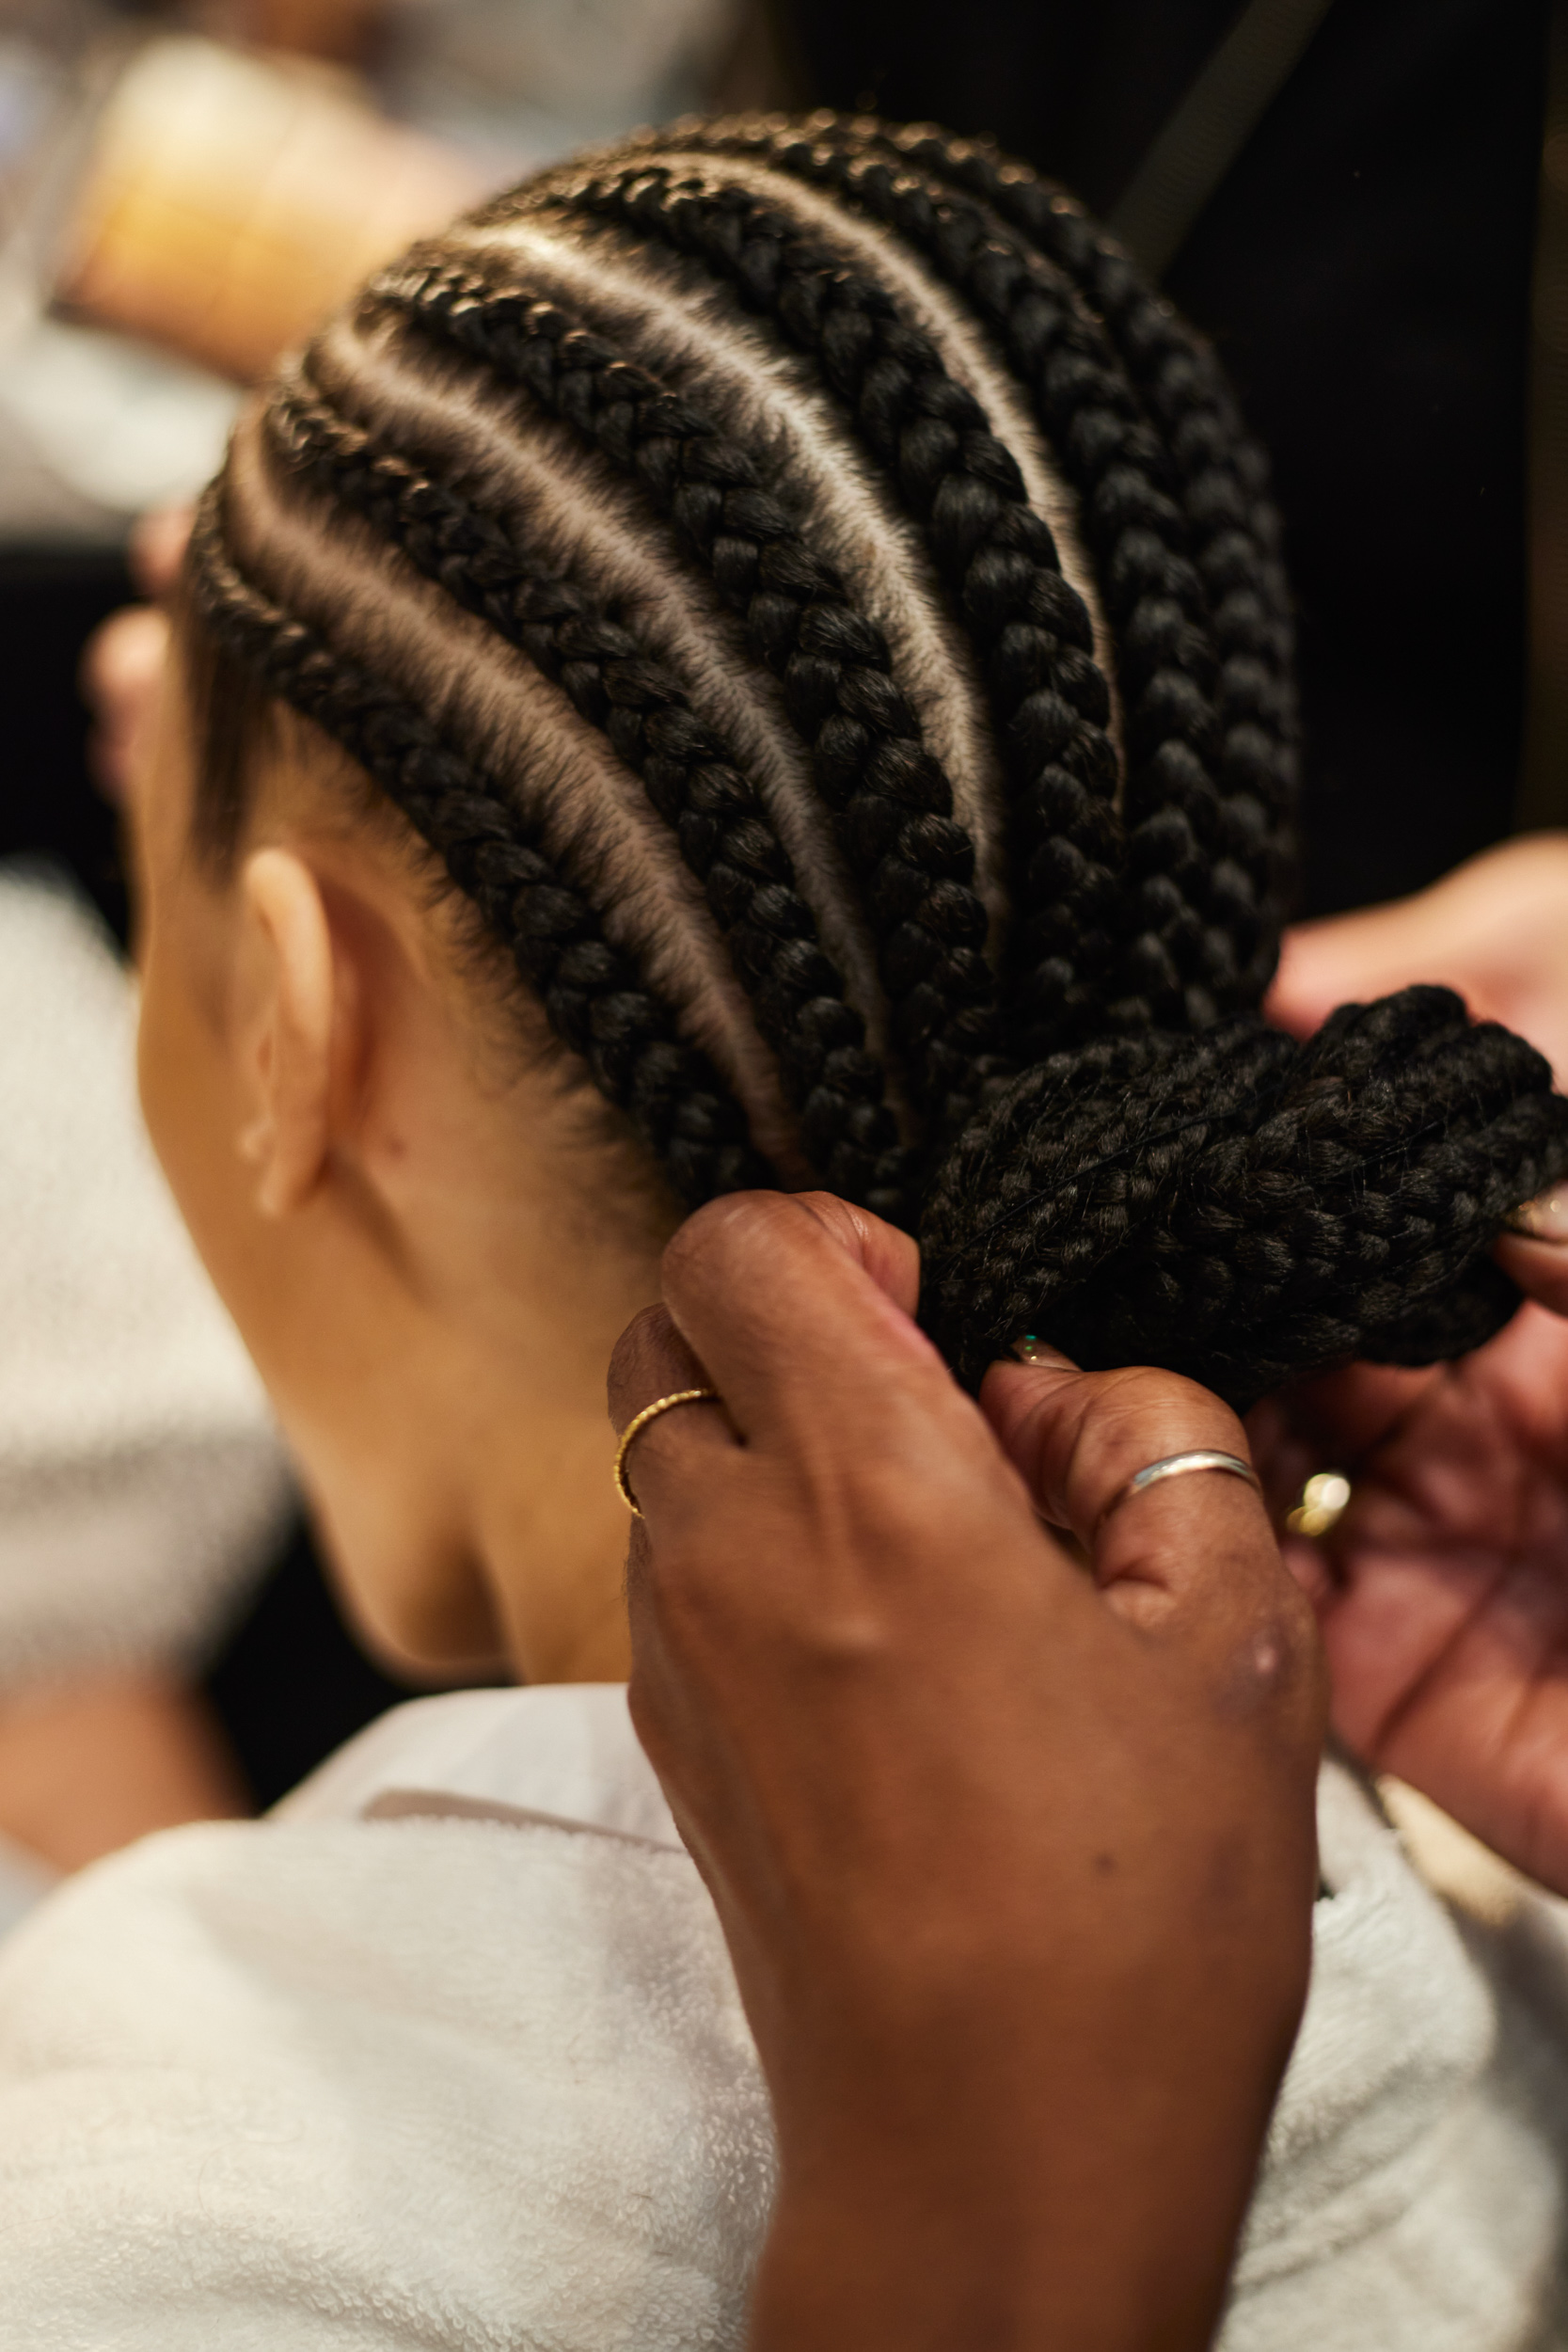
[[1414, 2188], [421, 2082], [141, 1480], [482, 2081]]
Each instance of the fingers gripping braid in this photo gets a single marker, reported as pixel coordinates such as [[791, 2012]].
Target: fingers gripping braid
[[725, 833], [1210, 720], [595, 1000], [1111, 1148]]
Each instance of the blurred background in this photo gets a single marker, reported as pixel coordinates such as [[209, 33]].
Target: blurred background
[[1365, 203]]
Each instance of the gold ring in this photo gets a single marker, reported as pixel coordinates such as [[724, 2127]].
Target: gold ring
[[1323, 1504], [1176, 1466], [635, 1427]]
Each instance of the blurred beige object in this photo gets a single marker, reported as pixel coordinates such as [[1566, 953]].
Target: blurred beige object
[[1453, 1863], [228, 200]]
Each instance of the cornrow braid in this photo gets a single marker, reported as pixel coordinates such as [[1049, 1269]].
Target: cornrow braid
[[723, 831], [996, 556], [1221, 474], [1209, 787], [1114, 1149], [871, 765], [595, 1000]]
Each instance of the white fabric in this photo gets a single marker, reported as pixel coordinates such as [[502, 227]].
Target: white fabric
[[347, 2085], [141, 1479], [563, 1753]]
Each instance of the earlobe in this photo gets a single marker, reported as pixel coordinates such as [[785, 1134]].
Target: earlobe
[[286, 1019]]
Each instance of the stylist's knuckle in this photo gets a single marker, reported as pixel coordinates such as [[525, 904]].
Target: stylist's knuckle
[[700, 1249], [1171, 1402]]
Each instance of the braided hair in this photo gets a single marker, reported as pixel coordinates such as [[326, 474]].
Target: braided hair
[[824, 613]]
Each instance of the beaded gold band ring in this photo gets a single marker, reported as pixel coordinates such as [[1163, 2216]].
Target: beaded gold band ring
[[635, 1427], [1176, 1466]]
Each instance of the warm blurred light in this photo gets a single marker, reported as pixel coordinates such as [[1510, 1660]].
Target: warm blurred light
[[1324, 1501], [229, 202]]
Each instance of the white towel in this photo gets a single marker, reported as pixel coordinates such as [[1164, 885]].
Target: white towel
[[141, 1479], [335, 2083]]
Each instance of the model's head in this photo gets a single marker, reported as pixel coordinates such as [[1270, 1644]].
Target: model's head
[[760, 658]]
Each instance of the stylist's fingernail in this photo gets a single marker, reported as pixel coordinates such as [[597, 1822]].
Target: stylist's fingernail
[[1545, 1218], [1031, 1349]]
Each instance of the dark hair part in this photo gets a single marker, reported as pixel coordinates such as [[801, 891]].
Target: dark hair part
[[825, 614]]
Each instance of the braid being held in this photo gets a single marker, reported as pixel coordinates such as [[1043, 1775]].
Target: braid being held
[[823, 613]]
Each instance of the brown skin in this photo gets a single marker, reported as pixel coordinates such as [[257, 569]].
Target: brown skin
[[1443, 1591], [1015, 1863]]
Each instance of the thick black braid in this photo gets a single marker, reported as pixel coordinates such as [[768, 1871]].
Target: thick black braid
[[1245, 1209], [723, 831], [1206, 853], [891, 798], [596, 1000], [995, 555]]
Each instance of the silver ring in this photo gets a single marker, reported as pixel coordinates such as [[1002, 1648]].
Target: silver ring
[[1176, 1466]]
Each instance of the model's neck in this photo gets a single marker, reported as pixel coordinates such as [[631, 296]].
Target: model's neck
[[553, 1543]]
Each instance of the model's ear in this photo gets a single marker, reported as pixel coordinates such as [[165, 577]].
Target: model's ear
[[286, 1018]]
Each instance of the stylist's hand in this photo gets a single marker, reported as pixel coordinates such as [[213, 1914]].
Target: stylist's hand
[[1443, 1591], [1496, 930], [1016, 1862]]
